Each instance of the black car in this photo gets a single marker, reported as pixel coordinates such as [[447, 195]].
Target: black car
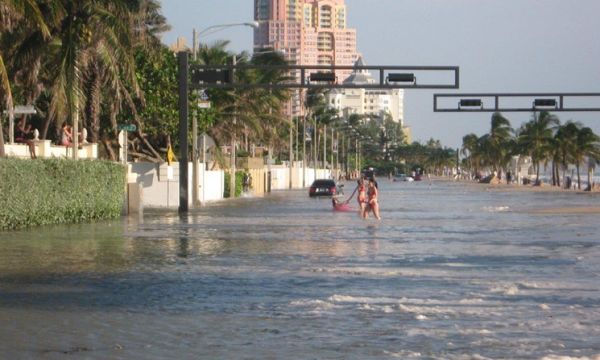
[[323, 187]]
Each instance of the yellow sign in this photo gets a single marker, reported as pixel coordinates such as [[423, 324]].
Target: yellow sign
[[170, 155]]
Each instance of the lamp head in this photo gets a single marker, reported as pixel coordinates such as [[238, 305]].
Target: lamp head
[[252, 24]]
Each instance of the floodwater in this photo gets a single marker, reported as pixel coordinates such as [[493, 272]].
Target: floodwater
[[453, 271]]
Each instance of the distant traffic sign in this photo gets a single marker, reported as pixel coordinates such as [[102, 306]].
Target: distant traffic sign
[[127, 127], [204, 104], [203, 96]]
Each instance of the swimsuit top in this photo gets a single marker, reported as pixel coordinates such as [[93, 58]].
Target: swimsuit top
[[373, 194], [361, 192]]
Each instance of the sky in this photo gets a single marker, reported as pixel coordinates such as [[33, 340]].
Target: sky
[[501, 46]]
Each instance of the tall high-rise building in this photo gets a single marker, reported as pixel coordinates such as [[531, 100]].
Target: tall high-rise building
[[310, 32]]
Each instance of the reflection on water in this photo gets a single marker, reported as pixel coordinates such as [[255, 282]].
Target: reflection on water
[[452, 271]]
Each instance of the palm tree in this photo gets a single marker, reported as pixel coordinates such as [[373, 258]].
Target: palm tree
[[263, 108], [93, 33], [564, 142], [20, 13], [587, 145], [469, 149], [499, 142], [535, 138]]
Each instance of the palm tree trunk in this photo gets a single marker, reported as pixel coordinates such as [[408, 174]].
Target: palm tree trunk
[[93, 105], [589, 188], [537, 175], [578, 177], [564, 173]]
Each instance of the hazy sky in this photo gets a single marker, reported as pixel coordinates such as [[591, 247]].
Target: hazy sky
[[500, 46]]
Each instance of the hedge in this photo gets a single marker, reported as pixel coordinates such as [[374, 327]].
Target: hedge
[[54, 191], [239, 180]]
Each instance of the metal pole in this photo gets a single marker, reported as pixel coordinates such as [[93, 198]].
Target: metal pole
[[195, 200], [194, 44], [203, 165], [324, 146], [125, 147], [182, 58], [315, 146], [333, 167], [296, 155], [291, 151], [304, 152], [356, 154], [269, 150], [233, 169]]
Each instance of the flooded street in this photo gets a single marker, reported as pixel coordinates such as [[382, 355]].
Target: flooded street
[[452, 271]]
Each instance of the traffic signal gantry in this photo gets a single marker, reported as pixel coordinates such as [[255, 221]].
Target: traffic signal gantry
[[501, 102], [200, 77]]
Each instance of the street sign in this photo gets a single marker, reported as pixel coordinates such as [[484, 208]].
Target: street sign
[[203, 104], [127, 127], [203, 96], [24, 109]]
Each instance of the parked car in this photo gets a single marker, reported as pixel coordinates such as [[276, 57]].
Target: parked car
[[403, 177], [323, 187]]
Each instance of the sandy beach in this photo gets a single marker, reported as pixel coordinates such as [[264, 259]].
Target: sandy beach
[[545, 188]]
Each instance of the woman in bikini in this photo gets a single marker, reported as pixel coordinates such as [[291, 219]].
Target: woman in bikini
[[373, 204], [362, 197]]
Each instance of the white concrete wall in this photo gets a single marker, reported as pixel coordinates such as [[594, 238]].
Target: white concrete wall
[[45, 149], [281, 175], [160, 191], [212, 185]]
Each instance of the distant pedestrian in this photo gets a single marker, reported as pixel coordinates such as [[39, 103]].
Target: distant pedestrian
[[24, 135], [247, 181]]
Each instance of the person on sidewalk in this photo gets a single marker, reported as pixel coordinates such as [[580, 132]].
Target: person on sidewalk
[[24, 135]]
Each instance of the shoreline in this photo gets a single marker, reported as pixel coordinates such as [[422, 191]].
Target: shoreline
[[545, 188], [514, 187]]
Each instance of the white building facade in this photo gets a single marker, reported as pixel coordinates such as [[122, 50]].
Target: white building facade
[[375, 103]]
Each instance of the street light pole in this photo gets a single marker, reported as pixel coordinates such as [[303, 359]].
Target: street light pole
[[356, 150], [333, 164], [195, 36], [324, 146], [233, 140], [291, 152], [303, 152], [182, 58]]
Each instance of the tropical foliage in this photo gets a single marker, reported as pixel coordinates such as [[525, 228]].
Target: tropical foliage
[[543, 139], [54, 191], [99, 63]]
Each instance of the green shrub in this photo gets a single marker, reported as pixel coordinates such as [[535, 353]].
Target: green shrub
[[239, 183], [53, 191]]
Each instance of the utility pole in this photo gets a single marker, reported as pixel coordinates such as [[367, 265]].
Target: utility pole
[[333, 167], [182, 58], [304, 152], [195, 185], [324, 146], [291, 151], [233, 140], [315, 145]]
